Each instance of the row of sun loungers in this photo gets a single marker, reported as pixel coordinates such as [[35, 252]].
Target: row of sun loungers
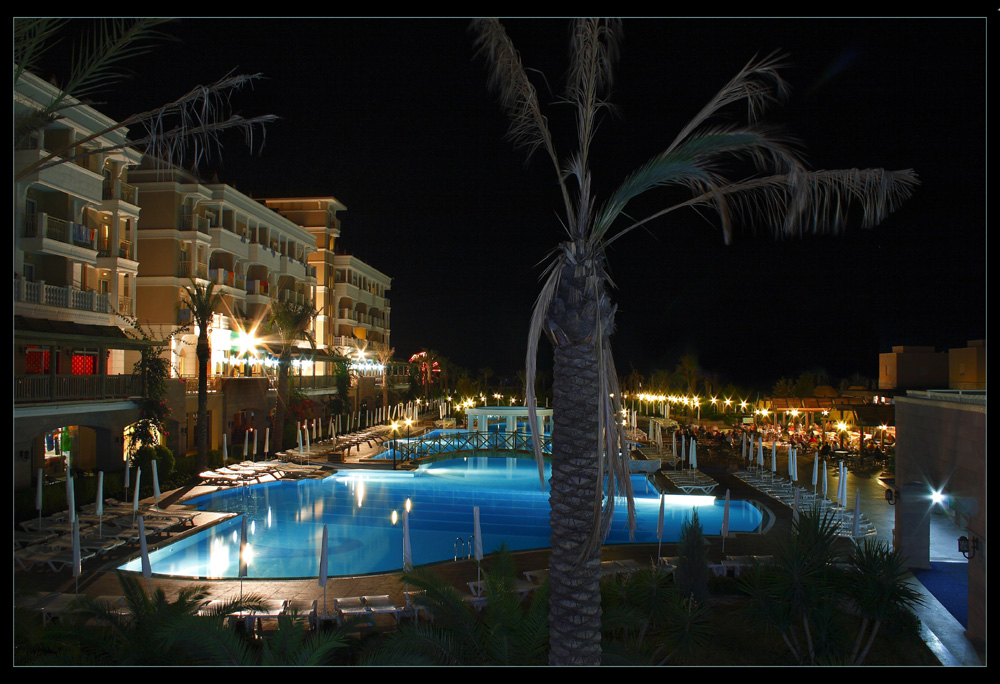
[[691, 480], [802, 498], [250, 472], [48, 542], [356, 610]]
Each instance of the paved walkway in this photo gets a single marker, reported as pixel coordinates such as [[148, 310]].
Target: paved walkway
[[943, 633]]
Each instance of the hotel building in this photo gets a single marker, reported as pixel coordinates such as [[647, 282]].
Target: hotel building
[[76, 220]]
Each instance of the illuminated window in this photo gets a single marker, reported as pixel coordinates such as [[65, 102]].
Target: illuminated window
[[36, 361], [83, 364]]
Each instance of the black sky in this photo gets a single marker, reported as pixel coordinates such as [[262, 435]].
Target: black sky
[[393, 118]]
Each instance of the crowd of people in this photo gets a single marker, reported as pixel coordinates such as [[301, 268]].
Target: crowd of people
[[815, 437]]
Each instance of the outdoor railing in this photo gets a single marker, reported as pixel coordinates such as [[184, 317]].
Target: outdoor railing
[[406, 449], [39, 292], [75, 387]]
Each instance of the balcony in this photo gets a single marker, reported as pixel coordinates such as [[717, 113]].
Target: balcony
[[221, 276], [229, 241], [38, 388], [198, 223], [117, 190], [125, 249], [184, 270], [51, 235], [65, 297]]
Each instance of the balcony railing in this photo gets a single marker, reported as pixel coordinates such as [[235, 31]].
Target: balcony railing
[[104, 249], [199, 223], [38, 292], [60, 230], [28, 388], [115, 189], [221, 276]]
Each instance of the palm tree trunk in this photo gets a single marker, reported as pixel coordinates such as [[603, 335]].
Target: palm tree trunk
[[575, 562], [203, 353], [284, 361], [575, 601]]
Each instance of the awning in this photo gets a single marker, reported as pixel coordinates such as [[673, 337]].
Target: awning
[[42, 331], [874, 415]]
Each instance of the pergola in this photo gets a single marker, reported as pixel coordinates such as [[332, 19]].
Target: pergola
[[479, 416]]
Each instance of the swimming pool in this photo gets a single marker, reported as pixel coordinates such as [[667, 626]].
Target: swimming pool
[[285, 520]]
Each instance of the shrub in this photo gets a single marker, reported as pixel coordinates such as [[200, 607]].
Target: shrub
[[691, 576]]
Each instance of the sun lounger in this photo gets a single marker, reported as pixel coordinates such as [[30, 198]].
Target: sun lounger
[[382, 605], [536, 576], [351, 607], [55, 558], [414, 607], [252, 620]]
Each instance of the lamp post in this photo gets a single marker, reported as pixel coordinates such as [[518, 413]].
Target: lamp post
[[395, 426], [408, 423]]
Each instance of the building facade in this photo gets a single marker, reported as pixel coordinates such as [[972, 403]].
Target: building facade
[[76, 221], [941, 450], [352, 300], [200, 232]]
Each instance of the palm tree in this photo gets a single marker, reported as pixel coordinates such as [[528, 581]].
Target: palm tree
[[507, 631], [202, 301], [574, 310], [291, 321], [383, 352], [878, 591], [156, 631]]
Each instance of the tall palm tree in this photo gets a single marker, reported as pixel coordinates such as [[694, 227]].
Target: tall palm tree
[[383, 352], [202, 301], [291, 321], [574, 309]]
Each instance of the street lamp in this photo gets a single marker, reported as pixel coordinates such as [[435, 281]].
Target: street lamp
[[395, 426]]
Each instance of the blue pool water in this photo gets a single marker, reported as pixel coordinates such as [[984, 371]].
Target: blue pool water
[[285, 520]]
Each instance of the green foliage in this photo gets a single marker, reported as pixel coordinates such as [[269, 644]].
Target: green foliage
[[877, 590], [691, 575], [804, 595], [645, 620], [144, 456], [783, 388], [507, 631]]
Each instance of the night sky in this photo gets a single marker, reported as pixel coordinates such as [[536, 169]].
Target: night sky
[[394, 119]]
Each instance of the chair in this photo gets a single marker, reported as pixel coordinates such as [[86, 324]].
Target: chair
[[271, 608], [351, 606], [382, 605], [536, 576], [414, 608]]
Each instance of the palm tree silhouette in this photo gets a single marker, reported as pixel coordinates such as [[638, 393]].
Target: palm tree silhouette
[[574, 311], [202, 301], [291, 321]]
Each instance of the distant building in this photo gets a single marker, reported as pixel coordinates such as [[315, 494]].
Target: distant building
[[967, 366], [909, 367], [352, 298]]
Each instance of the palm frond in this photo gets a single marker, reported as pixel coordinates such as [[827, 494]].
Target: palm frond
[[536, 327], [594, 53], [528, 128], [33, 37], [758, 83], [806, 201], [194, 121], [96, 57], [697, 164]]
